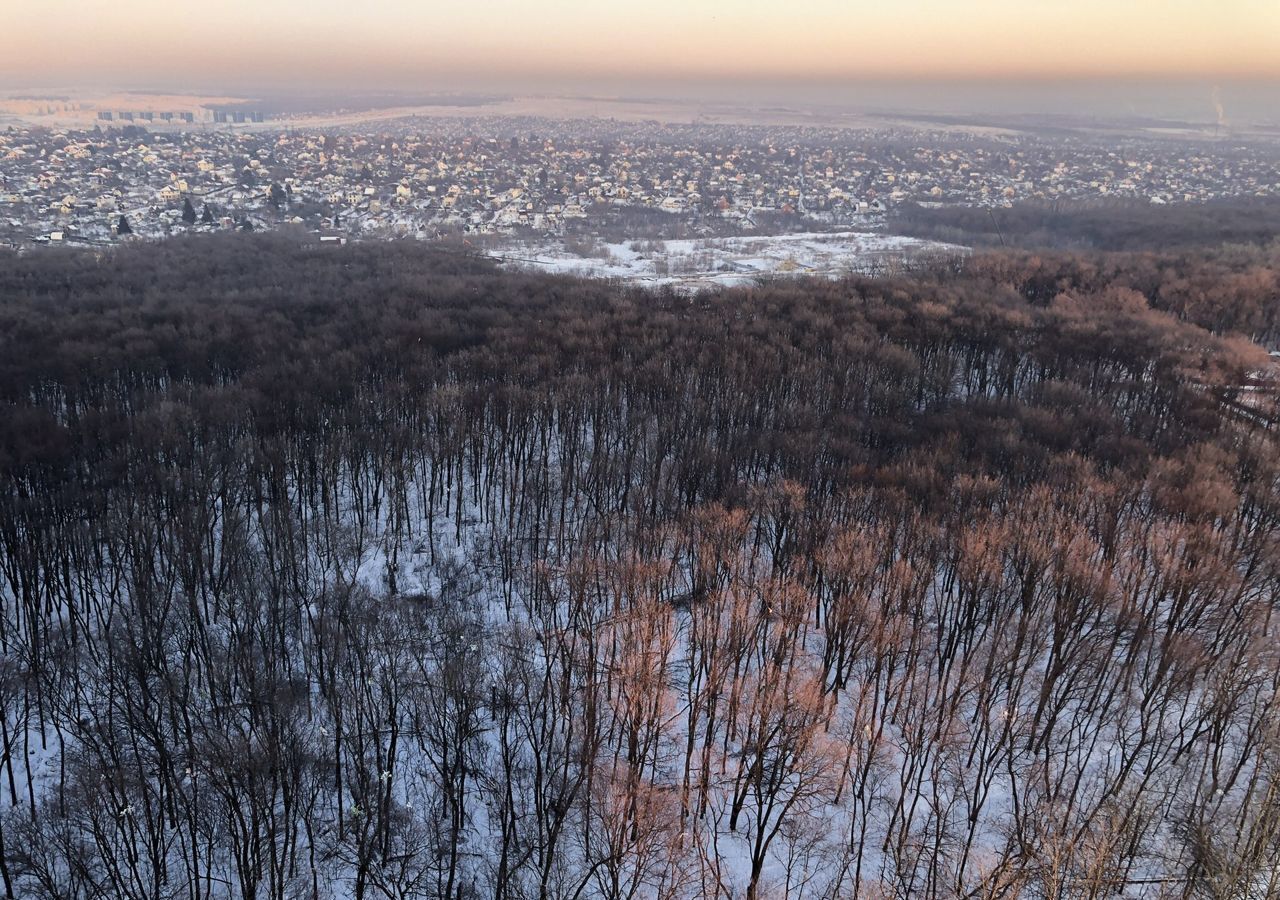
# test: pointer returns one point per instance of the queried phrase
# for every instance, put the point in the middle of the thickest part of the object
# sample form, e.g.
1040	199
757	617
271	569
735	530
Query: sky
183	44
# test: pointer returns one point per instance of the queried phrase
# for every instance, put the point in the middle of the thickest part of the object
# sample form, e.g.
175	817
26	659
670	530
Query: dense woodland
373	572
1097	224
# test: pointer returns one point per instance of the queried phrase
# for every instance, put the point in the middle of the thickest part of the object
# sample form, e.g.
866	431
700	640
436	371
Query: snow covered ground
726	261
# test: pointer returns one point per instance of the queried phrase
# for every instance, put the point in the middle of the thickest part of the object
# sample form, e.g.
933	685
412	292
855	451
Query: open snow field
726	261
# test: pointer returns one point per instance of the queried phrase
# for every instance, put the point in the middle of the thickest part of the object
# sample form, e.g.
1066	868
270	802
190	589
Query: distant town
150	175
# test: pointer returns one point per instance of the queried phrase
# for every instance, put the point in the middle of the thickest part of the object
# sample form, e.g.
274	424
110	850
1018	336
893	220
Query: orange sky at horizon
386	42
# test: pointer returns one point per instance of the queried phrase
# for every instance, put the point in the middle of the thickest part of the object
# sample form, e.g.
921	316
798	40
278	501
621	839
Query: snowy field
726	261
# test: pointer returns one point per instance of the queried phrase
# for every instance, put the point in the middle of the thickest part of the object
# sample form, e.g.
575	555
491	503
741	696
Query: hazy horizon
1190	100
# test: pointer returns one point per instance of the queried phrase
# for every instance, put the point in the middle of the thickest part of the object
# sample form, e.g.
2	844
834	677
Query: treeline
1112	225
374	572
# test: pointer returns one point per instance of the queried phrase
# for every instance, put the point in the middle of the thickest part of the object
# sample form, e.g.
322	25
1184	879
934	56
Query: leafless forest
373	572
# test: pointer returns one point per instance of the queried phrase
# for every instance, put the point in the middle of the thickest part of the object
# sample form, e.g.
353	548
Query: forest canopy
1097	224
376	571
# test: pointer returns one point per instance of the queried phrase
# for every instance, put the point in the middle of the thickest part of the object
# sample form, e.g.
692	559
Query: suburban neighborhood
544	178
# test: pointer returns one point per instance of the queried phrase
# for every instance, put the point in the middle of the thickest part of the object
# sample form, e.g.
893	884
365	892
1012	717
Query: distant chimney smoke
1221	124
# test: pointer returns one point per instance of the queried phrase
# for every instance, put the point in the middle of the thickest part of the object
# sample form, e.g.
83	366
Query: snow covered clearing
729	261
